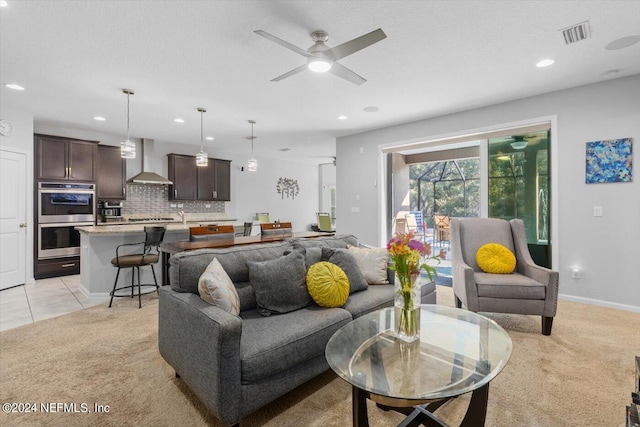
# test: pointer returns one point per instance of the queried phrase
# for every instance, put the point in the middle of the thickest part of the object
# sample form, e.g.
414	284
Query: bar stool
153	239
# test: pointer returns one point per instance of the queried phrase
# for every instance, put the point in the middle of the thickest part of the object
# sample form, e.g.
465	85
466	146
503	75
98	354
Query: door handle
23	225
175	194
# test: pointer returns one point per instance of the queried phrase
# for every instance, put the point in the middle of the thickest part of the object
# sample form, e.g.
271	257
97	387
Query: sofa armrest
202	343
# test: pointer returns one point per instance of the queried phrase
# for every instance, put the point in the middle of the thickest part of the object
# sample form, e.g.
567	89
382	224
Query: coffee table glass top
458	351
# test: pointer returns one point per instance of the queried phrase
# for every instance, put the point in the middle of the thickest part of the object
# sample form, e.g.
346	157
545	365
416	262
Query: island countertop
138	227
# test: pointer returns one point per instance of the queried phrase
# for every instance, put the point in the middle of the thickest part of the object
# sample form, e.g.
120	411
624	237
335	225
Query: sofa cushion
186	267
327	284
216	288
374	298
272	345
340	241
347	262
280	284
495	258
373	263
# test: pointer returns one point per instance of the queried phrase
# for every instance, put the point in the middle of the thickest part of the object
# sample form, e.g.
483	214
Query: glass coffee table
458	352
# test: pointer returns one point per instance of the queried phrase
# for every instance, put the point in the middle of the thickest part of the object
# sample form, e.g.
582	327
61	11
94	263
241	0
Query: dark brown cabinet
112	172
190	182
214	181
65	159
183	174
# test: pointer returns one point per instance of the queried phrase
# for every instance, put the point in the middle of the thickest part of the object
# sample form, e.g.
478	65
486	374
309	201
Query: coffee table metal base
421	414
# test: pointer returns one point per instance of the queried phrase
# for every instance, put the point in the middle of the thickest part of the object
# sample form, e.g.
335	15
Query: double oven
61	208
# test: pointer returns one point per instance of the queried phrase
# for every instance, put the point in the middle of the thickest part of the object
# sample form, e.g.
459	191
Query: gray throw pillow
280	284
348	263
311	255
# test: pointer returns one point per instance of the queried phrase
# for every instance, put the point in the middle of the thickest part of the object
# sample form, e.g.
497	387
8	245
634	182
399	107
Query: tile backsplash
144	199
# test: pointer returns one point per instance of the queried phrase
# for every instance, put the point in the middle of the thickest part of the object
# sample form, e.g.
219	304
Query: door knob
23	225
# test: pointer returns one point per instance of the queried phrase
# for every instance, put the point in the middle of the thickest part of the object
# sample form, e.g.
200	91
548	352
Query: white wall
606	248
22	139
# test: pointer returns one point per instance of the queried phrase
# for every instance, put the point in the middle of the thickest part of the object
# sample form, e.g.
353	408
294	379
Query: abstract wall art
609	161
288	187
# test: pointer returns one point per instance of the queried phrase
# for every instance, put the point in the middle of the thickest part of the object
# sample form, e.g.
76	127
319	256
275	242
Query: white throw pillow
372	263
216	288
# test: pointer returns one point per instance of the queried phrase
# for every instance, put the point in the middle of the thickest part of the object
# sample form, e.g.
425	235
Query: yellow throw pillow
327	284
495	258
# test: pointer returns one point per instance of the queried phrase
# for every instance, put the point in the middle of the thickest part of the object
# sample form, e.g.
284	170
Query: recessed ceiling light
178	120
622	43
209	138
3	3
371	109
14	86
342	117
99	118
545	63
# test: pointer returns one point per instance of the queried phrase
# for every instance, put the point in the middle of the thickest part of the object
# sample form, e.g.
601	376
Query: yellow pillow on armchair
495	258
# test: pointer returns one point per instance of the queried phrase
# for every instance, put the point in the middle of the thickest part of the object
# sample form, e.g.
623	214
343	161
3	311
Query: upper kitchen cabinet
191	182
183	174
112	172
214	181
65	159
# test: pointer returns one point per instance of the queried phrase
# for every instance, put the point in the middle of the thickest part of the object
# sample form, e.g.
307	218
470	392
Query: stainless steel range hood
146	177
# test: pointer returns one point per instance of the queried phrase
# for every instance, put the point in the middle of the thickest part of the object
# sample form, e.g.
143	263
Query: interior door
13	218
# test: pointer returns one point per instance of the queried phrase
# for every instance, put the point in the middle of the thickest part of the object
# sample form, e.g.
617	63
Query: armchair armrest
547	277
464	285
202	343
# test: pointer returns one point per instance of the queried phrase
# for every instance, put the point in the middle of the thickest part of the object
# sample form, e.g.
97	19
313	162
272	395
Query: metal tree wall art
288	187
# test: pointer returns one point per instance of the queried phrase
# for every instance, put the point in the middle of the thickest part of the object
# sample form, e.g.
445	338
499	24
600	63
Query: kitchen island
98	245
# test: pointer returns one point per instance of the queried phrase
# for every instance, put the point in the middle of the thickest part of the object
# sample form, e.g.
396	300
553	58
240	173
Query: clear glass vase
407	307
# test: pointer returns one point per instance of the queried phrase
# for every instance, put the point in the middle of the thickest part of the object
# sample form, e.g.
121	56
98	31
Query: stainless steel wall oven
61	208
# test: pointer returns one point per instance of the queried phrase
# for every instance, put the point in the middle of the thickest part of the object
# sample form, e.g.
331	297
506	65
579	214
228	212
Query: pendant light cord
128	116
201	130
252	139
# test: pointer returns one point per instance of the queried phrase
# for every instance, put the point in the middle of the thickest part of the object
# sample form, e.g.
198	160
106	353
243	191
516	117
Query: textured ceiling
74	57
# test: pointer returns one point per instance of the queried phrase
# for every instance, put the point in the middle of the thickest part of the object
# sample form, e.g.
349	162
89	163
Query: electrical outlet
172	205
181	205
597	211
208	206
576	273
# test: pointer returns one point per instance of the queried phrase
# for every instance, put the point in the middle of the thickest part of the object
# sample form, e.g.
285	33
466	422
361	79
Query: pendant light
128	148
202	157
252	163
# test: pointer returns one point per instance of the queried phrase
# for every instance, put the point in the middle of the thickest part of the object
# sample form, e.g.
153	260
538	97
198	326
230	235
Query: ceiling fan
322	58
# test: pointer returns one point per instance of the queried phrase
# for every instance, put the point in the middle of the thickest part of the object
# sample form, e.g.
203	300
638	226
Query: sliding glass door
519	185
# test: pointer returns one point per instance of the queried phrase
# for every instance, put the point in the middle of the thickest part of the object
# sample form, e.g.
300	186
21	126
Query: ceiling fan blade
290	73
359	43
281	42
345	73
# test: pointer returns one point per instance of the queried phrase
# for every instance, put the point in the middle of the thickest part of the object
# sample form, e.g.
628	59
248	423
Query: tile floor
41	300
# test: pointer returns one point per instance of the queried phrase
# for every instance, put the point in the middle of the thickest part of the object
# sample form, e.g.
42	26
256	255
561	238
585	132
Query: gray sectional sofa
237	364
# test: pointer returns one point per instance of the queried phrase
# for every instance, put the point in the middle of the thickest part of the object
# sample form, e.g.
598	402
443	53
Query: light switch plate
597	211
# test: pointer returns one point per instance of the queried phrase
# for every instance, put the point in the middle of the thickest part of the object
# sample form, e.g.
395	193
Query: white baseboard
94	295
591	301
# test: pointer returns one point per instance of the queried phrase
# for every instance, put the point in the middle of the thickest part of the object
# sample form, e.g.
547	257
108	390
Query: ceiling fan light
128	149
519	145
252	165
319	65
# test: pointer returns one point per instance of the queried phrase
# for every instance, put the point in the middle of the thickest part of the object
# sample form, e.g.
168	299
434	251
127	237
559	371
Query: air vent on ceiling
285	149
576	33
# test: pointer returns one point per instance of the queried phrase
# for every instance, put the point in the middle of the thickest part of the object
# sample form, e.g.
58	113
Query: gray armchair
530	289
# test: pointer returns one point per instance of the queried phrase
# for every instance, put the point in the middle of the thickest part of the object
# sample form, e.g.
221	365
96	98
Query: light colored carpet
582	375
